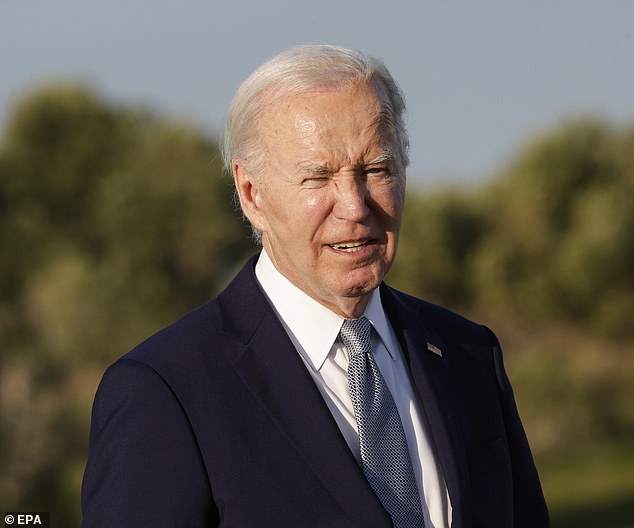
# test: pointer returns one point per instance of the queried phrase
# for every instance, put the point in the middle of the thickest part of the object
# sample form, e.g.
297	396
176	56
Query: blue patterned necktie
384	453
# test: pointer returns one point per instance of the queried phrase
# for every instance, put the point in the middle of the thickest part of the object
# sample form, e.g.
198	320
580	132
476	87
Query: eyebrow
388	155
310	167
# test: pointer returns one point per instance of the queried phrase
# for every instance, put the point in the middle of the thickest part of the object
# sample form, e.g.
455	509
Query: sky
480	78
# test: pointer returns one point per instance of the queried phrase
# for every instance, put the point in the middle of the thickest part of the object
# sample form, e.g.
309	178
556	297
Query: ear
249	193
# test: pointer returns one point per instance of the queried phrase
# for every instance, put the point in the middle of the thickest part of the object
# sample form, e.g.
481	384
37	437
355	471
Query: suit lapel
428	362
273	371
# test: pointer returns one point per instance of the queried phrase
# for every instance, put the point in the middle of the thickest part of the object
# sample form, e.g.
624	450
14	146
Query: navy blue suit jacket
215	421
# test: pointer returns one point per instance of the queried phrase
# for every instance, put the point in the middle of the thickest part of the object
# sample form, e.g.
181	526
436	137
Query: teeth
349	246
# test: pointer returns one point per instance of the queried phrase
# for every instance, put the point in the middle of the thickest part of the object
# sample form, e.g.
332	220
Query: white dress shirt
314	330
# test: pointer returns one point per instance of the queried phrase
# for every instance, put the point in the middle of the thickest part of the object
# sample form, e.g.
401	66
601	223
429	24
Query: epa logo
40	519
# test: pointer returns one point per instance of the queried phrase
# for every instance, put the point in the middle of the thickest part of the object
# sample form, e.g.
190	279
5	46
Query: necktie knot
355	334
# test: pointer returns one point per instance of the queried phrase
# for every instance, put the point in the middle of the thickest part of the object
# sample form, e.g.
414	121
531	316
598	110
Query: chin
357	282
361	288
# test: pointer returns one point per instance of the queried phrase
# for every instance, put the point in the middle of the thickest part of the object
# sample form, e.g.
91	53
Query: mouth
350	247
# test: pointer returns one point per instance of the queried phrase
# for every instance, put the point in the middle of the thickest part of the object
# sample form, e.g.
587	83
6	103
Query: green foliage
113	223
439	233
561	242
552	236
109	214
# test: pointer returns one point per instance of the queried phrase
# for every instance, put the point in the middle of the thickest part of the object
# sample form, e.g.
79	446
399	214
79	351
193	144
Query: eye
378	173
314	182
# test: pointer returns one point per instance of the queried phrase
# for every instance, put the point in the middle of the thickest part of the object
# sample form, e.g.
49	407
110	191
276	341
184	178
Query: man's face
330	197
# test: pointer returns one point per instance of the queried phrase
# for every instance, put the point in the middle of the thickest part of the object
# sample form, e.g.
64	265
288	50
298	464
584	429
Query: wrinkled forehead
303	110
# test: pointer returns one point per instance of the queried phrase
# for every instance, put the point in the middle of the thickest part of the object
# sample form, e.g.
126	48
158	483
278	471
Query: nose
351	200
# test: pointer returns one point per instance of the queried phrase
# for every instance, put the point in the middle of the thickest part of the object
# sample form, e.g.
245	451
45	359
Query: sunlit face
330	197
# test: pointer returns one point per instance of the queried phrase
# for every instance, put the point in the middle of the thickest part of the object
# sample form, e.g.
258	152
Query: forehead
342	122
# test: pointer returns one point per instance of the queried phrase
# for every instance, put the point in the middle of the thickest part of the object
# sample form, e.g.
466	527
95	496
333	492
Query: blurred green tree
113	223
551	236
439	233
560	230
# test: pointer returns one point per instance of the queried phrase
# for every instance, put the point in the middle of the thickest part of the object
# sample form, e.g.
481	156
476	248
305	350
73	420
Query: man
309	393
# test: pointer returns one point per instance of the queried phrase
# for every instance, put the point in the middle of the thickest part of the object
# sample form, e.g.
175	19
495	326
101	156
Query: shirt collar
313	327
376	315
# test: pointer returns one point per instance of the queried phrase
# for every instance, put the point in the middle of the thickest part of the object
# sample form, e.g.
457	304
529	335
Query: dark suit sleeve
528	500
144	465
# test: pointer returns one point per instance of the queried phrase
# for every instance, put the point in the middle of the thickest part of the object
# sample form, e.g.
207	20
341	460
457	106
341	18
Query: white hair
298	70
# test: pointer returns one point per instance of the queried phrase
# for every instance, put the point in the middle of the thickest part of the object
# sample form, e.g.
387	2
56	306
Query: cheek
312	203
302	216
313	208
390	203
